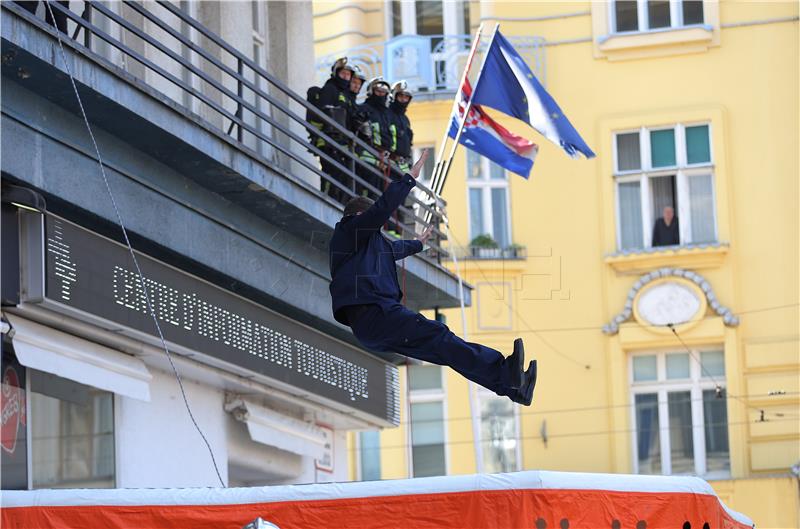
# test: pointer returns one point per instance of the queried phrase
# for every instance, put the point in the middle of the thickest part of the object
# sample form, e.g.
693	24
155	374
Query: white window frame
259	32
486	183
681	172
426	396
416	154
695	384
675	18
424	179
484	393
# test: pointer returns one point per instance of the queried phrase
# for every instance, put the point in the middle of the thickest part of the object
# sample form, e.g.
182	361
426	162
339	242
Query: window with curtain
647	433
649	15
72	434
487	188
680	418
702	208
659	168
630	214
426	414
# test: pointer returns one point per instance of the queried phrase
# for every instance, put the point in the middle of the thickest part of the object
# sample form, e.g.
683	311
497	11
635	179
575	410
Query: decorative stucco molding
728	317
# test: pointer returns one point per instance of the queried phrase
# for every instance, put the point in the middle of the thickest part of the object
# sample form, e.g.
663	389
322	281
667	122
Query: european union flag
507	84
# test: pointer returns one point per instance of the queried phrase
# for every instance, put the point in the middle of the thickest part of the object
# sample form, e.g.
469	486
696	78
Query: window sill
670	41
471	264
707	255
492	257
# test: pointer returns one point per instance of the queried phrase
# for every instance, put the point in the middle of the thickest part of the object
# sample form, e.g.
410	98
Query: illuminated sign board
87	274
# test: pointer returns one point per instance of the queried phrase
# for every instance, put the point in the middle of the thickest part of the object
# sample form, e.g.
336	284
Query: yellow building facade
688	105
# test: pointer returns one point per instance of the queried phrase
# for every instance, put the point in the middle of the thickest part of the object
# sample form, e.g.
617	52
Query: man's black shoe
516	362
524	395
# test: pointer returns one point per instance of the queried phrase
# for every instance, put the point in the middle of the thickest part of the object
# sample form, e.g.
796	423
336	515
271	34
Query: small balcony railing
160	45
514	251
431	63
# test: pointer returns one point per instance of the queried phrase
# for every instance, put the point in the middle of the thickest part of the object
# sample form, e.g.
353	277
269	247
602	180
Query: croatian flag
488	138
508	85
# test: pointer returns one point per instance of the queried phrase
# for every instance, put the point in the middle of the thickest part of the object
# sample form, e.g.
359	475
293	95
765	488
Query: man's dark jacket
362	260
664	235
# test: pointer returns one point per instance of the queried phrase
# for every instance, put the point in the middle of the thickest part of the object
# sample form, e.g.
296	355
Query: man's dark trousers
394	328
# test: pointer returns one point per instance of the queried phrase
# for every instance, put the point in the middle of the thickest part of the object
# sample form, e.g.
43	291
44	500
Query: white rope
472	387
130	250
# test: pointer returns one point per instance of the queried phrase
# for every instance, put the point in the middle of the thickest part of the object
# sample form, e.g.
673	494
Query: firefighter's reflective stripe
376	133
393	131
369	158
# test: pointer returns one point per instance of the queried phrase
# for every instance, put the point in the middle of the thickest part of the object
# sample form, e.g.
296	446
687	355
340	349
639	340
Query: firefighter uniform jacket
333	97
377	119
400	131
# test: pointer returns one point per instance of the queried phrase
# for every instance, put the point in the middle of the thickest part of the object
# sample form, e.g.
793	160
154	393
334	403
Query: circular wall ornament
669	300
669	304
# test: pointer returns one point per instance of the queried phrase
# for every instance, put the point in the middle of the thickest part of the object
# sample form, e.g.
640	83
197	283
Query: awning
46	349
281	431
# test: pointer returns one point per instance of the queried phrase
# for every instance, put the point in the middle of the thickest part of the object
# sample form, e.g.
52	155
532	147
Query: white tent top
308	494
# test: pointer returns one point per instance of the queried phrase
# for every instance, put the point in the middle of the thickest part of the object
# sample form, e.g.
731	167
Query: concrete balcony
206	152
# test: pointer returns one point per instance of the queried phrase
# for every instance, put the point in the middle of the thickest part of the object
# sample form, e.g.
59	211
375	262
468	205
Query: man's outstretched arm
403	248
378	214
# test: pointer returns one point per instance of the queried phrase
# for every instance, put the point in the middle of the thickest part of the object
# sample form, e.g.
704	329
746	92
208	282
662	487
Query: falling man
367	297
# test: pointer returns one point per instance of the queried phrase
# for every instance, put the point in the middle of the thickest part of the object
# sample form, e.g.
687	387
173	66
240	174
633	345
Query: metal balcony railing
173	53
513	251
429	63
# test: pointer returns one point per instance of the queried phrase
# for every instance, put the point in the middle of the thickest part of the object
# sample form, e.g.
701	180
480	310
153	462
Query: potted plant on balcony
514	251
484	246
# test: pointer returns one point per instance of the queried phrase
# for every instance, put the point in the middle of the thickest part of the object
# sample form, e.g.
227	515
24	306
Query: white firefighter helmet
375	82
401	87
341	63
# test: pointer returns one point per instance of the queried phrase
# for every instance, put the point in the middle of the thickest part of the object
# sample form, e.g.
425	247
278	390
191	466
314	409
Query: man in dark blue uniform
367	297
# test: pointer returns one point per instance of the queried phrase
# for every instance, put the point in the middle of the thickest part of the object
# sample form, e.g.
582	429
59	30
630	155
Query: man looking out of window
665	231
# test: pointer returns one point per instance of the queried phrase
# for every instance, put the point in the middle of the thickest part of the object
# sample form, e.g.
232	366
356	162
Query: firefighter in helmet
374	131
357	82
334	99
402	137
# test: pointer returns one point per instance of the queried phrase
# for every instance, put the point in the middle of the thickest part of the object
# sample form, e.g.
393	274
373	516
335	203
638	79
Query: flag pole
446	167
437	167
471	387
